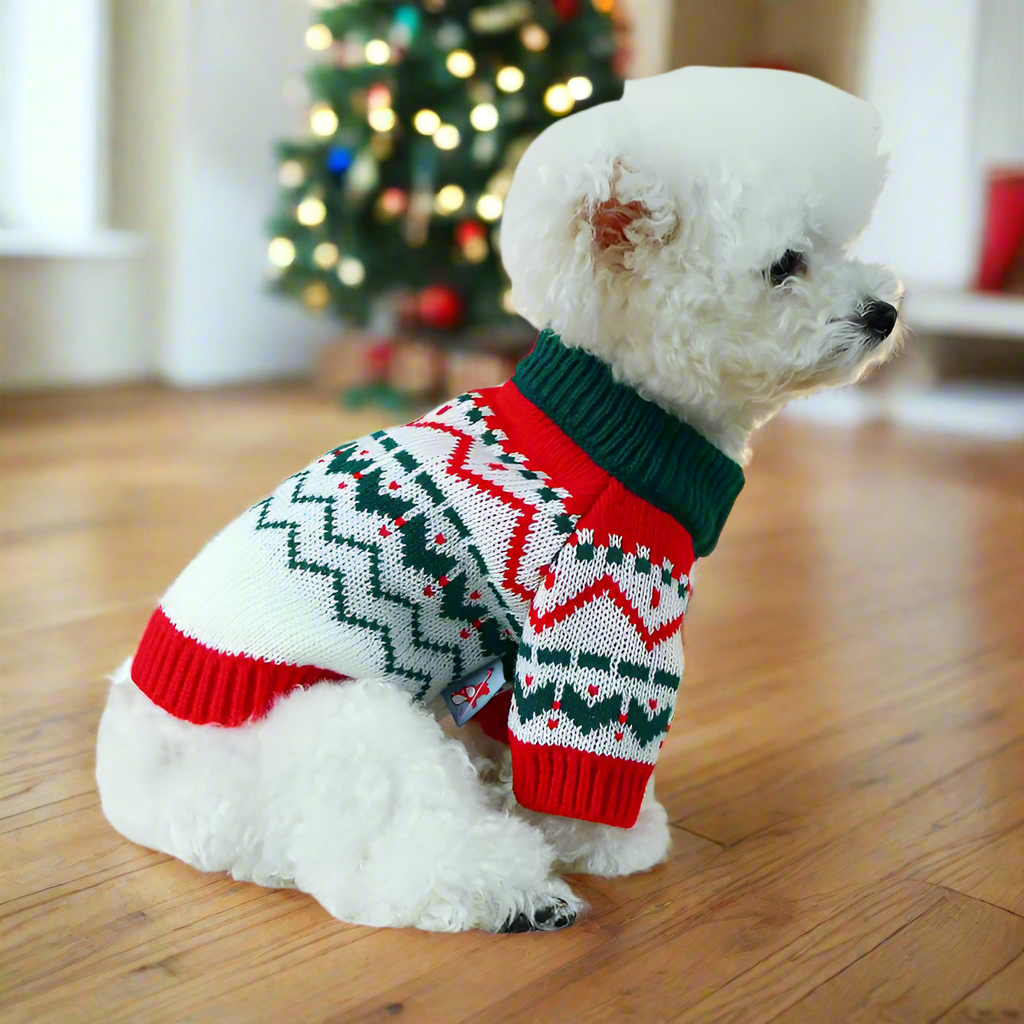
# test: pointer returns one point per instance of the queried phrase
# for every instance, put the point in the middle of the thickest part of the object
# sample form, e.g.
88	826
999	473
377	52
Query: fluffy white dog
684	247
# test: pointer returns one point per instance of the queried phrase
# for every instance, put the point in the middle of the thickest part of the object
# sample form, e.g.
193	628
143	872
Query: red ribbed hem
207	687
577	784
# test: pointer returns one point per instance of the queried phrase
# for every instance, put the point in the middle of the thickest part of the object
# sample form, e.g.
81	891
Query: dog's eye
792	263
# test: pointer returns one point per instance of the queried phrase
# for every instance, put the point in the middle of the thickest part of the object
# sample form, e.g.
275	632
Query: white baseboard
975	410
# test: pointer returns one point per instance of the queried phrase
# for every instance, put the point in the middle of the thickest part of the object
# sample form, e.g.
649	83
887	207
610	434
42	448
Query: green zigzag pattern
416	554
590	717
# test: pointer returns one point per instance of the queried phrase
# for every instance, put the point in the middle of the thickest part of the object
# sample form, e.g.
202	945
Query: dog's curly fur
660	265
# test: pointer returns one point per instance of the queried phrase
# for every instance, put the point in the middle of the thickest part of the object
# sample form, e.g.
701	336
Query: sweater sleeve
599	664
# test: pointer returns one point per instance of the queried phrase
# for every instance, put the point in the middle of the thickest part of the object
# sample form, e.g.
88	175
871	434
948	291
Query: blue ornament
339	159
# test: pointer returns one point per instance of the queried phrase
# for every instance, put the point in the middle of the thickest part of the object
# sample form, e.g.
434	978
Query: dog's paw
549	918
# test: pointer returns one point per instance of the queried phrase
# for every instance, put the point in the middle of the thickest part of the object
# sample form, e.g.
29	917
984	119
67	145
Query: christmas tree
419	114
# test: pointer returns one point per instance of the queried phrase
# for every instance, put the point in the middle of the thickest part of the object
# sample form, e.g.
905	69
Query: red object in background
469	230
440	307
566	9
1004	228
378	358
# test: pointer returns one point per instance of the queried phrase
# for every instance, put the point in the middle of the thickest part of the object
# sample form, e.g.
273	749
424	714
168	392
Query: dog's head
693	235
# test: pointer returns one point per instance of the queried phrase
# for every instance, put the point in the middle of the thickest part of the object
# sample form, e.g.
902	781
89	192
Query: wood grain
845	771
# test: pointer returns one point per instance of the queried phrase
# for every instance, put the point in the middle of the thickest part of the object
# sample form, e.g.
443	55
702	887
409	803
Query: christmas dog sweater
551	522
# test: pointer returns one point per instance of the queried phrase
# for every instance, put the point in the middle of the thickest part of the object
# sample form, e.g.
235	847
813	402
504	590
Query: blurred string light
484	117
382	120
318	37
378	96
316	295
377	51
351	272
460	63
510	79
506	301
446	137
489	206
558	99
291	174
325	255
392	201
281	252
604	6
322	119
449	199
426	122
534	37
311	211
475	249
580	87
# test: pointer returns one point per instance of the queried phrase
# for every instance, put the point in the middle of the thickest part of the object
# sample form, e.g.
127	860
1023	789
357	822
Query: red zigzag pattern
457	466
606	586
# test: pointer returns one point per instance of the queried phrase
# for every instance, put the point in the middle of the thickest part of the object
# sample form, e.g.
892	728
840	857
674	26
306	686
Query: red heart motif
622	719
527	680
385	532
592	690
475	596
358	476
393	486
653	704
443	581
556	704
477	623
400	521
365	451
342	486
552	723
428	591
618	735
439	539
464	633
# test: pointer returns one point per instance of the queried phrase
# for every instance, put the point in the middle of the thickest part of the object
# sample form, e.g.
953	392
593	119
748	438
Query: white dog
683	249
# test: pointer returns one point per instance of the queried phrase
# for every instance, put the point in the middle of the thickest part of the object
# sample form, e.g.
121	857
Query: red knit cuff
577	784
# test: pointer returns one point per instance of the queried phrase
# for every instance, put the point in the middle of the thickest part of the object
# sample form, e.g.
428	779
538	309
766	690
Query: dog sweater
551	521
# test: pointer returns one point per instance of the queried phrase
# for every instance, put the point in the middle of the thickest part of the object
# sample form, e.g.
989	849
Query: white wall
919	71
222	325
1000	131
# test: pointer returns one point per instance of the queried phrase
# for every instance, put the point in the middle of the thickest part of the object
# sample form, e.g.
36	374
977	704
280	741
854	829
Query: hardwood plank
999	1001
880	757
783	978
989	871
922	970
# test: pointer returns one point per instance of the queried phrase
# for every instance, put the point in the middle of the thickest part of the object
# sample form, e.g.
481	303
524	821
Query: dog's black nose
879	318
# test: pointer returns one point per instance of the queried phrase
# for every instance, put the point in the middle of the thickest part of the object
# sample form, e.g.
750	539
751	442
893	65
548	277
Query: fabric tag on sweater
466	696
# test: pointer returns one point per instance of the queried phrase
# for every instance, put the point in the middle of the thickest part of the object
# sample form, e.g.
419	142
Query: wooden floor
845	774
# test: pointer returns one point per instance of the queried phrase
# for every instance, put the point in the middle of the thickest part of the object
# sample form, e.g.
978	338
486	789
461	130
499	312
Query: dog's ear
629	212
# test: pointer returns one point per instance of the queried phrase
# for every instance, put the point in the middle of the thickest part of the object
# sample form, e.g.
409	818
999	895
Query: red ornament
566	9
469	230
440	307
